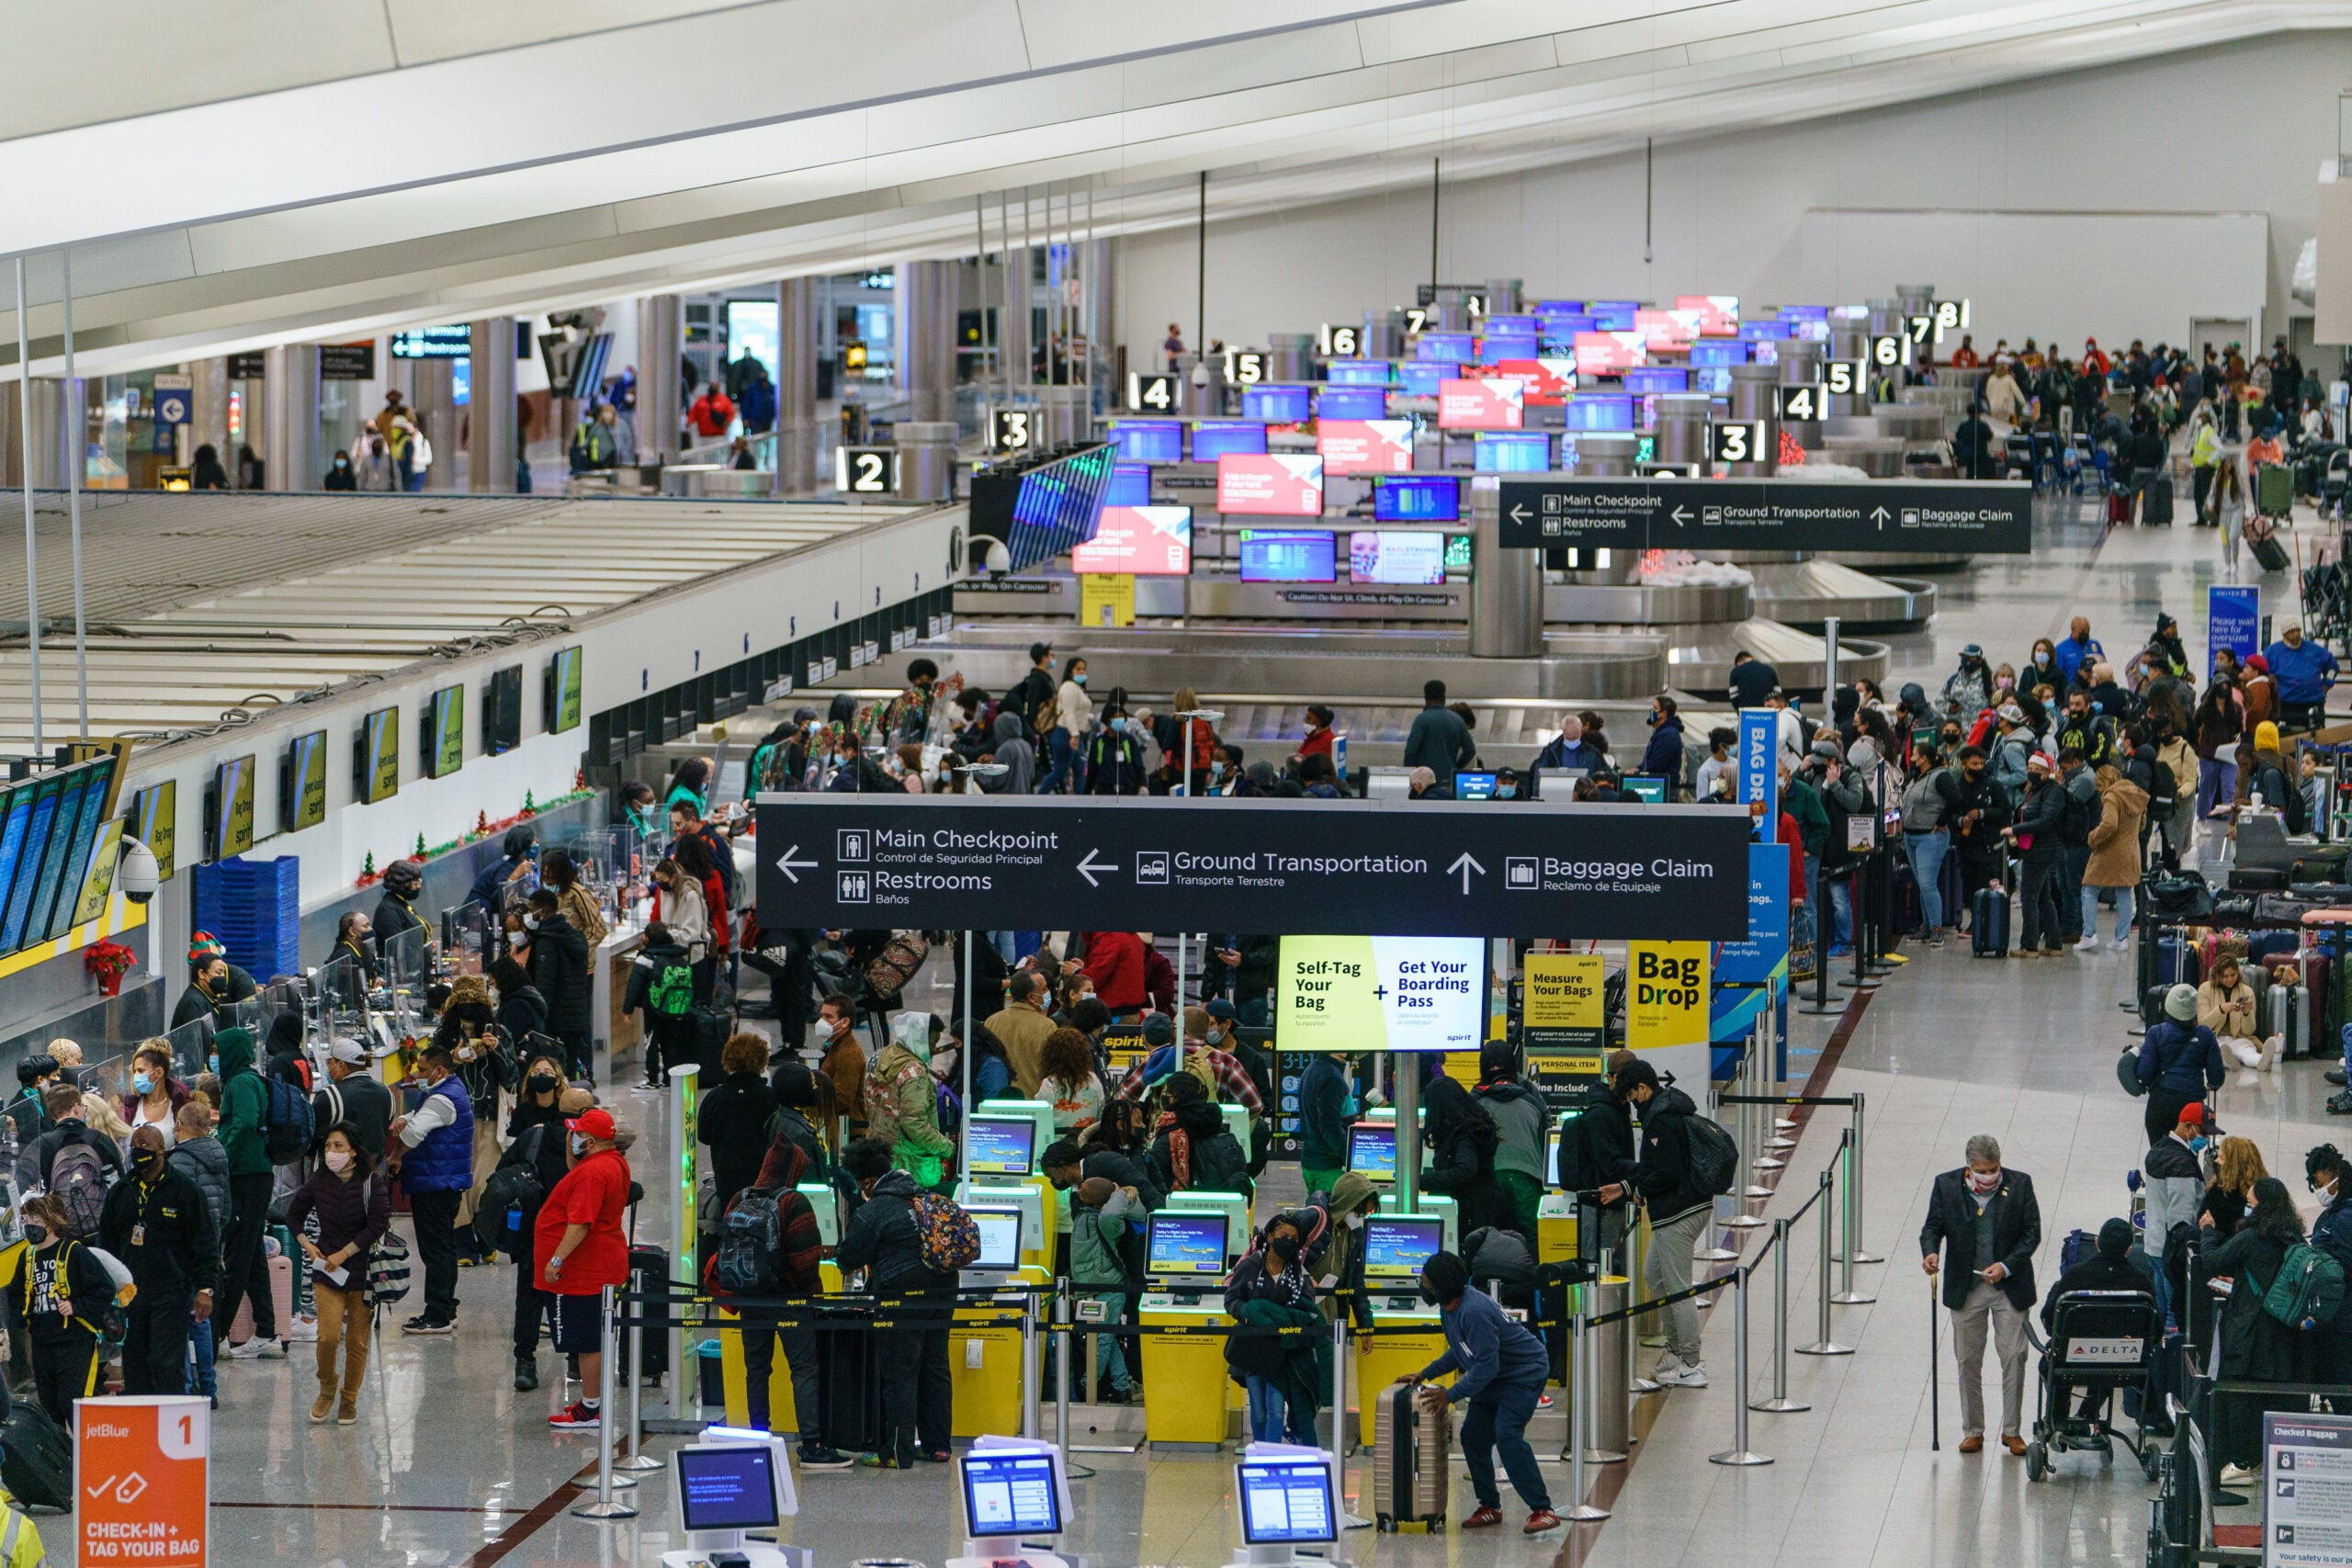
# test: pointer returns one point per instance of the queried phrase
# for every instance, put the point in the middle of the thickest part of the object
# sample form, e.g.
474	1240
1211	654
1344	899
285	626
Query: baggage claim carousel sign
1335	868
1986	516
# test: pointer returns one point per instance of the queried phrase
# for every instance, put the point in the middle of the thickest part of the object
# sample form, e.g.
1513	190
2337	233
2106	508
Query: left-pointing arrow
1090	865
787	864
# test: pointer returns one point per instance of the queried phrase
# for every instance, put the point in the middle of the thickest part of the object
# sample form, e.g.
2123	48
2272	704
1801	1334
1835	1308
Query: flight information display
1288	554
1211	442
1276	405
1411	560
1149	440
1434	498
1352	402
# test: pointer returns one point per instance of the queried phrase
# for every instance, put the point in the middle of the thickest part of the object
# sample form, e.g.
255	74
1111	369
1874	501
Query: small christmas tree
367	867
419	846
528	806
481	821
579	780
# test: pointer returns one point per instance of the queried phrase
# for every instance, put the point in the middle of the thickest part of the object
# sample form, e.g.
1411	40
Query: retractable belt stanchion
1824	1346
1755	1072
1067	1348
606	1507
1849	1158
1855	1249
1739	1453
1029	1421
1780	1404
1580	1410
1745	1127
637	1459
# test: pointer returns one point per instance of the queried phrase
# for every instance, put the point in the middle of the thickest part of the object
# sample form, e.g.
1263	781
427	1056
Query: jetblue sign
1288	867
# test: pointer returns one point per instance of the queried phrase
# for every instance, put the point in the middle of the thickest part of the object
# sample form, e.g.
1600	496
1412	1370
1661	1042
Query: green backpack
672	992
2307	1291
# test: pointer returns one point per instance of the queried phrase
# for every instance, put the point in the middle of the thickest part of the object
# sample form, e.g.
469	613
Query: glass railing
107	1026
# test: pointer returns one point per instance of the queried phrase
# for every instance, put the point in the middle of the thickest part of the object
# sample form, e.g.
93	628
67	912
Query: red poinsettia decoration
108	962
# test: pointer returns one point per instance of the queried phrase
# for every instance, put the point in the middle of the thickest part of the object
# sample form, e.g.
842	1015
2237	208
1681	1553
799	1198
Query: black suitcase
709	1027
849	1390
2155	502
1988	935
2152	1004
649	1269
36	1459
2268	553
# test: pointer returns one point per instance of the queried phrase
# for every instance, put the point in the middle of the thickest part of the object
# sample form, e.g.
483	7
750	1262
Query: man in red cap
2173	1180
583	1250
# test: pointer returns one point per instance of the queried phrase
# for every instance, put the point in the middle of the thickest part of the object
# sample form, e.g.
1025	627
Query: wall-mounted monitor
1211	442
1130	485
302	783
154	820
1421	378
228	809
1381	992
441	749
1485	402
1270	484
1277	403
375	757
1148	541
1288	554
1149	440
66	846
1357	372
560	691
1365	446
1520	452
1417	497
1446	348
1494	347
1600	410
24	838
1397	557
1652	379
1352	402
502	711
1723	352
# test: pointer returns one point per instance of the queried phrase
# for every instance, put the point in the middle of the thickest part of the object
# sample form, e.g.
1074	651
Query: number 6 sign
143	1470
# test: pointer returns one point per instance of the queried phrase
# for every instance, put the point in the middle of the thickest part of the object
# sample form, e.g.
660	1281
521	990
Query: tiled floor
449	1467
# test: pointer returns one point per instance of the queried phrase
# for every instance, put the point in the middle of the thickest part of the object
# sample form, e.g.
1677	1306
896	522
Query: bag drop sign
1666	994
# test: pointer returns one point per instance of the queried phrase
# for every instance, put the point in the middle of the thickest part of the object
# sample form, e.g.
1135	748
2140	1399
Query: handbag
388	1271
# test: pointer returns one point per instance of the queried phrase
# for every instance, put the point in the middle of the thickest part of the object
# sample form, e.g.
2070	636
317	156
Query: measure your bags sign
1380	993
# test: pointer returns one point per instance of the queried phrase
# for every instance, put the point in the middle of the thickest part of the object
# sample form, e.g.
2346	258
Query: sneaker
2089	944
1539	1521
880	1461
822	1458
1115	1396
348	1412
577	1417
2340	1104
1695	1375
2237	1475
421	1323
1935	939
256	1347
2335	1076
1484	1518
305	1331
933	1456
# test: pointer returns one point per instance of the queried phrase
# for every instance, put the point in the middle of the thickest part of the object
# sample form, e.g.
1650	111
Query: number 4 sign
143	1470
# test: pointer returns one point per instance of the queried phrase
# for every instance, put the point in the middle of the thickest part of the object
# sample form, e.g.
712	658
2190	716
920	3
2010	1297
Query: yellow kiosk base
1179	1372
1382	1358
783	1413
984	1364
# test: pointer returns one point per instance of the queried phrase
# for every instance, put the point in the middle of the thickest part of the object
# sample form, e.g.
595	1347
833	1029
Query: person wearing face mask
63	1287
158	1223
1500	1369
156	1095
487	1066
197	1154
1987	1223
884	1239
1071	714
354	1097
2112	1266
2325	1172
339	474
1112	764
1269	1288
902	1101
396	914
432	1152
556	958
215	986
579	1248
537	1142
2173	1180
355	1209
1680	1207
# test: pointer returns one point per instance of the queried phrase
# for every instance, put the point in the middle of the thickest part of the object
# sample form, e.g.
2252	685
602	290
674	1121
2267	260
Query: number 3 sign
143	1470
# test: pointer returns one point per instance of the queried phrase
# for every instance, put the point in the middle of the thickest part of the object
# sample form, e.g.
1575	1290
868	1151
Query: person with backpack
432	1152
1190	1146
902	1101
769	1245
2173	1183
896	1239
2329	1176
1680	1198
735	1115
158	1223
1520	1118
536	1157
71	1160
2179	1062
1988	1223
2269	779
661	990
1462	1140
64	1287
578	1248
197	1154
354	1096
2258	1344
355	1209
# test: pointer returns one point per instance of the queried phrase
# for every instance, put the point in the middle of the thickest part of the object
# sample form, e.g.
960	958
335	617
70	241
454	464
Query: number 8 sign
143	1474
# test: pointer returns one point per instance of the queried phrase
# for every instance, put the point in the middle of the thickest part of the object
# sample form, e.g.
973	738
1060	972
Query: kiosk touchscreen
1016	1504
1285	1503
1000	1258
1003	1145
1232	1205
725	1489
1185	1251
1395	1248
1372	1151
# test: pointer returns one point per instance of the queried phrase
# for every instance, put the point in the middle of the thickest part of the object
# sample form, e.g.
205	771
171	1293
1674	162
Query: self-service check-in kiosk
1016	1504
726	1488
984	1359
1395	1248
1288	1498
1186	1254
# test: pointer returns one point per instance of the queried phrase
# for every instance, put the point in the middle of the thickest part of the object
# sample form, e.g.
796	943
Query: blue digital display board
1436	498
1357	372
1518	452
1276	405
1718	351
1445	347
1352	403
1421	378
1651	379
31	851
1211	442
1288	554
1130	485
1149	440
1600	410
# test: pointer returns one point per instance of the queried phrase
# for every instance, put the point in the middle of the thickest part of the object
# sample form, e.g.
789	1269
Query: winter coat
2174	1181
1519	1117
2179	1059
2229	1014
2115	842
1096	1261
206	1162
1663	756
1192	1149
1439	742
559	970
353	1211
1322	1114
244	1105
902	1102
1020	759
883	1239
1663	1174
733	1119
2254	1345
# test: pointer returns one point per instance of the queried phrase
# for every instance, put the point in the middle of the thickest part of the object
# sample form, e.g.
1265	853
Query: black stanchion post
1824	928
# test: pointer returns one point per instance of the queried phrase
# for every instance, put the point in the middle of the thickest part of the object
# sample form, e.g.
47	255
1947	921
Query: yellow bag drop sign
1666	994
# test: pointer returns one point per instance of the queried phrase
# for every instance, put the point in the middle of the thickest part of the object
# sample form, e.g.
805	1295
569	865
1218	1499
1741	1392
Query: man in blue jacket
2078	649
1501	1369
2304	671
2179	1060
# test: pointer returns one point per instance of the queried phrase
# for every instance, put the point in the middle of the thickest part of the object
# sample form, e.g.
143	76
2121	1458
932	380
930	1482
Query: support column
660	408
1012	319
799	443
1506	588
52	447
927	340
209	410
433	403
290	423
490	448
1099	315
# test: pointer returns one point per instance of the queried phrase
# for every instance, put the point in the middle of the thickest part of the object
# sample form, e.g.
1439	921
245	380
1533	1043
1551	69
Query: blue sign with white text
1759	773
2233	620
1764	956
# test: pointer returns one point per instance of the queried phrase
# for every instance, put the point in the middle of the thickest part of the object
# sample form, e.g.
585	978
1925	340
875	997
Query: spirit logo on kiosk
1365	446
1274	484
1498	402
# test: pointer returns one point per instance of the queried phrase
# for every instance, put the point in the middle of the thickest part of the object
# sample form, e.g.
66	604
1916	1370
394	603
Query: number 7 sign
143	1473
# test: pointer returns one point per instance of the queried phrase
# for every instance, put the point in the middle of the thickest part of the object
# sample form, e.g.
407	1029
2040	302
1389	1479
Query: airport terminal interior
1403	782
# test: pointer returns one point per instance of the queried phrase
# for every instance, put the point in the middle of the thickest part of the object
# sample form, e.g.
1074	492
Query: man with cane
1989	1225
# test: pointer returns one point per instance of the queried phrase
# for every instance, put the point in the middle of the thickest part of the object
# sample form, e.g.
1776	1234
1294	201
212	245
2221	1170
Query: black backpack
1579	1164
1715	1158
287	1132
750	1244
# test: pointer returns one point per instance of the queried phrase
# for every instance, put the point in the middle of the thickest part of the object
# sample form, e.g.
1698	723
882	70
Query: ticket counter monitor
1395	1248
1437	1205
1372	1151
1185	1253
1016	1502
1232	1205
1287	1501
1003	1147
1037	1111
726	1488
984	1368
827	1204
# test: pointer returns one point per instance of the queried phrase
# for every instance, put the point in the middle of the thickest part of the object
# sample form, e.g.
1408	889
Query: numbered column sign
1009	430
1417	318
1802	403
1887	352
143	1473
1244	366
1740	442
1341	343
1845	378
1921	328
866	470
1154	393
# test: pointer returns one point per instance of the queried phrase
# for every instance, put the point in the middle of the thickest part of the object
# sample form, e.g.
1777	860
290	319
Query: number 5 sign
143	1469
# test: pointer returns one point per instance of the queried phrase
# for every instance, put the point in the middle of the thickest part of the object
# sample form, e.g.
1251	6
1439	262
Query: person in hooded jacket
884	1239
1191	1146
244	1117
2172	1179
2179	1062
514	865
1680	1207
1520	1118
2255	1346
2113	858
2329	1176
1017	757
396	911
557	959
1462	1139
1968	691
902	1101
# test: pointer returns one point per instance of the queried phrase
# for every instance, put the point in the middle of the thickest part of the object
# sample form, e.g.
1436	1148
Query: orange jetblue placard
143	1469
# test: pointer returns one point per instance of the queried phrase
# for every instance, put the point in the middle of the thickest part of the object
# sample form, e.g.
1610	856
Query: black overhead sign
1987	516
1297	867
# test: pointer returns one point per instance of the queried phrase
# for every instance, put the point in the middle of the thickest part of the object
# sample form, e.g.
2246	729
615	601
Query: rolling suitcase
1411	1469
2155	502
281	1301
36	1456
649	1269
849	1390
1988	935
2262	539
2285	1012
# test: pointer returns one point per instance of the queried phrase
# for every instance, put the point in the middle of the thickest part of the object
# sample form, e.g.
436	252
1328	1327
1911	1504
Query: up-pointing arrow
1878	517
787	864
1465	865
1090	865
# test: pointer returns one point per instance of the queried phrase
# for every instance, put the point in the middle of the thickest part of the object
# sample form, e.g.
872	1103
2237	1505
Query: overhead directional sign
1987	516
1294	867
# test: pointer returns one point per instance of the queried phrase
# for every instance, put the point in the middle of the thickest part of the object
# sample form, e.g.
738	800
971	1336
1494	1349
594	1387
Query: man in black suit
1989	1227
